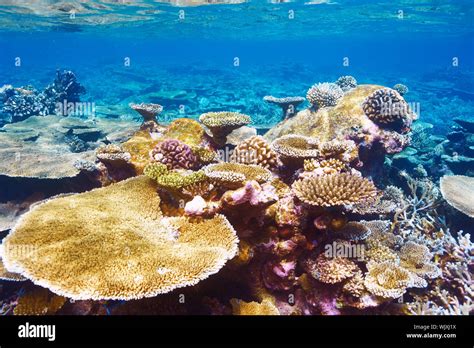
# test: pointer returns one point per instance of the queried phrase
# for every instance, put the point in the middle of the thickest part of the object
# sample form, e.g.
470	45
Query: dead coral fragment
387	279
235	174
266	307
255	150
324	94
458	191
294	149
331	270
334	190
114	243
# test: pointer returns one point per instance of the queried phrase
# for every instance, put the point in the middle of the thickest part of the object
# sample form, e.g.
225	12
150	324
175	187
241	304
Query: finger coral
334	190
458	191
255	150
387	108
294	149
331	270
387	279
221	124
174	154
324	94
235	174
114	243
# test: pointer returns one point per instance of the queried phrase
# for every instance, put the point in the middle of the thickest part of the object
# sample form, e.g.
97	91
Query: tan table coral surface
114	243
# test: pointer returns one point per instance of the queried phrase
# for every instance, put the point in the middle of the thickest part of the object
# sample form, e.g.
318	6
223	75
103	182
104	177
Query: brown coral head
334	190
387	108
294	149
255	150
148	111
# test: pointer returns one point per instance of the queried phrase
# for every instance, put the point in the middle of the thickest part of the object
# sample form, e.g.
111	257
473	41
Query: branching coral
334	190
324	94
174	154
223	123
417	259
255	150
387	108
294	149
458	191
113	243
232	175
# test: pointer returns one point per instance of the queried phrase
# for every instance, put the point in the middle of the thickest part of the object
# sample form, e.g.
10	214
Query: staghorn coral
294	149
288	105
387	108
334	190
221	124
39	301
346	82
233	175
387	279
255	150
114	243
458	191
330	270
174	154
266	307
324	94
417	259
147	111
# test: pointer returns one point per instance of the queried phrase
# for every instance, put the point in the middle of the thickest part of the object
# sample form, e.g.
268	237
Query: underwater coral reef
320	215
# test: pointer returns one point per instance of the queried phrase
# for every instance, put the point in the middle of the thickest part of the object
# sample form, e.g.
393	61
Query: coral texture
255	150
147	111
294	149
174	154
346	82
324	94
458	191
331	270
235	174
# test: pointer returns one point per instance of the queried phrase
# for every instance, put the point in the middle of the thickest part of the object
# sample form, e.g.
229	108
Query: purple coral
174	154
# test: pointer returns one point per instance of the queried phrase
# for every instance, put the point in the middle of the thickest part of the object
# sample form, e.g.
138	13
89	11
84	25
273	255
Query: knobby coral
255	150
334	189
114	243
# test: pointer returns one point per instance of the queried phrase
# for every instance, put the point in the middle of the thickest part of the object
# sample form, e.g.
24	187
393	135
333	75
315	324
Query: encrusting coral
114	243
255	150
324	94
334	189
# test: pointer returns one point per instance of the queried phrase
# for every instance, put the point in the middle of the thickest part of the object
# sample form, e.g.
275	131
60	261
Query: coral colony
305	219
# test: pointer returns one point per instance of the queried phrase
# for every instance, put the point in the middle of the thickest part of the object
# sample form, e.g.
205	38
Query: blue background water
190	62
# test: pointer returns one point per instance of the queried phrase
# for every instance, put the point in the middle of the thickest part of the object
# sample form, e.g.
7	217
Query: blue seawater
194	59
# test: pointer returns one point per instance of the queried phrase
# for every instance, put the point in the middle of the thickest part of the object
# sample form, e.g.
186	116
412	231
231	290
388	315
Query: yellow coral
139	147
255	150
334	189
174	181
387	279
186	130
294	149
343	150
114	243
39	301
233	175
266	307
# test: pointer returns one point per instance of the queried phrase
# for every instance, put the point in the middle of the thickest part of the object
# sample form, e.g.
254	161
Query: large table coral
114	243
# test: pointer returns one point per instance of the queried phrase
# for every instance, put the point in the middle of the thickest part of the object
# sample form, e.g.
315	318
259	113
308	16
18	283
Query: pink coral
251	193
174	154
